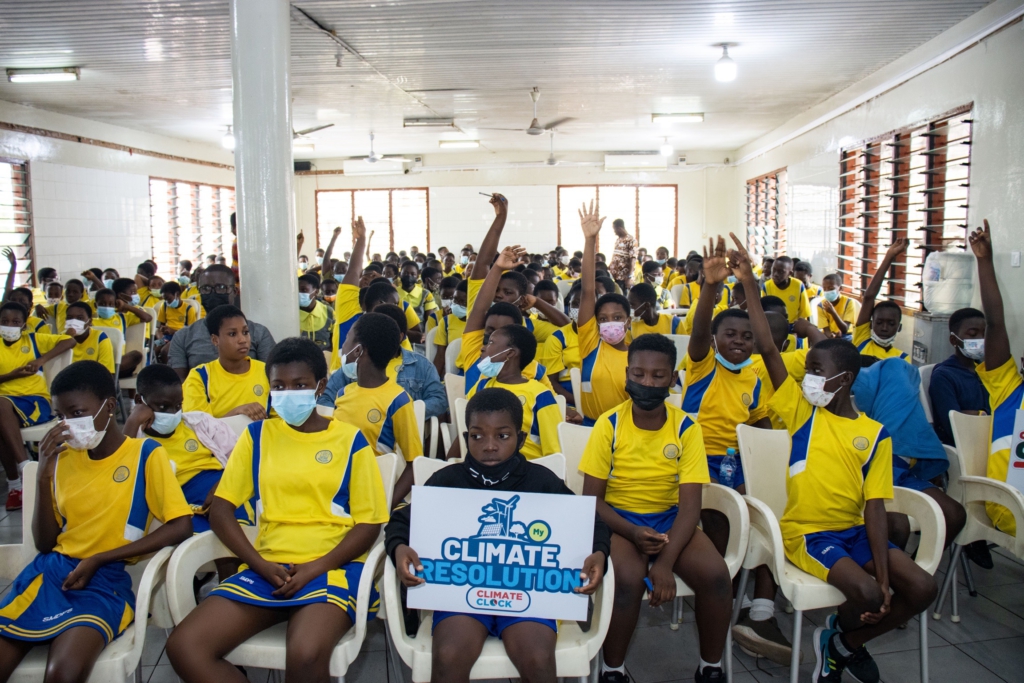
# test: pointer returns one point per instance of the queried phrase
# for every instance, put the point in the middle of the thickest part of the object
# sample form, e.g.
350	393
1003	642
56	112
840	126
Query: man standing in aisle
623	255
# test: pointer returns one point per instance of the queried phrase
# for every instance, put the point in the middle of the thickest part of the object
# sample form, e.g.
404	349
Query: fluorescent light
459	144
303	145
429	122
70	73
725	68
694	117
228	141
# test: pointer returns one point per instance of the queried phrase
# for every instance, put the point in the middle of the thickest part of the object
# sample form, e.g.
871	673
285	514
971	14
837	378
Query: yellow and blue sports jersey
449	329
689	294
1006	396
385	416
541	328
662	294
15	355
687	326
119	320
97	347
418	297
317	325
835	465
186	453
867	346
472	289
310	488
795	362
58	312
106	504
813	291
666	324
411	321
794	295
644	469
212	389
346	312
147	298
560	353
541	416
602	373
559	272
433	319
469	356
34	324
175	318
720	399
847	311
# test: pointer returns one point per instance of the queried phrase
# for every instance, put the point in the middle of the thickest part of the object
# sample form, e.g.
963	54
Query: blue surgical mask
105	312
732	366
488	367
183	280
175	303
165	423
731	279
305	299
660	261
136	300
294	407
459	311
108	283
831	295
464	260
349	366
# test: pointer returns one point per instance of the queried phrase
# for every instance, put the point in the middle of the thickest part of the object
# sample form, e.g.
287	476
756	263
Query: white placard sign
501	552
1015	469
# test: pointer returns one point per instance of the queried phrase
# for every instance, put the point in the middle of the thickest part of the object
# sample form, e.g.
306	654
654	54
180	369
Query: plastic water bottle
727	470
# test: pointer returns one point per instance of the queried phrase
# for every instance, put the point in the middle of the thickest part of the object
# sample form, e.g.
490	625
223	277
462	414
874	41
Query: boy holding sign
494	419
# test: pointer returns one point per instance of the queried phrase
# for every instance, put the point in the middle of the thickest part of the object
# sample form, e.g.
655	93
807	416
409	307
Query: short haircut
375	267
672	262
171	288
650	267
450	282
545	286
505	309
521	283
463	286
843	353
47	272
15	306
882	305
769	302
607	283
311	280
619	223
725	315
185	263
523	340
429	272
74	281
85	375
378	291
610	298
495	400
121	285
158	376
658	343
219	268
577	286
83	306
298	350
379	337
784	259
146	268
103	292
215	318
575	263
535	266
396	314
803	267
23	291
959	317
328	281
645	293
737	288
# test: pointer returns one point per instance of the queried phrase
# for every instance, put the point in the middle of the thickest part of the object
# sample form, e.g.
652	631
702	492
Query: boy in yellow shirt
788	288
643	299
452	324
91	344
561	351
803	272
121	310
837	313
878	324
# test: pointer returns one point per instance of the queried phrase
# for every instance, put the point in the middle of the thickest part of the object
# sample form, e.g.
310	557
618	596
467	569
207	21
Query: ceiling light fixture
228	141
71	73
667	149
725	68
459	144
429	122
695	117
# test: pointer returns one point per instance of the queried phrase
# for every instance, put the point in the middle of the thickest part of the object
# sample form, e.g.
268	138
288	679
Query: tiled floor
987	646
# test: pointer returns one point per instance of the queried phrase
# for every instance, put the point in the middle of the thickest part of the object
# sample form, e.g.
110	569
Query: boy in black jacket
494	418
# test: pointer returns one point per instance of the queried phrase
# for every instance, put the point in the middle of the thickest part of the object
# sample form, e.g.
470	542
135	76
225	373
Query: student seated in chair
91	344
878	324
322	503
452	324
839	476
112	311
91	518
494	419
645	463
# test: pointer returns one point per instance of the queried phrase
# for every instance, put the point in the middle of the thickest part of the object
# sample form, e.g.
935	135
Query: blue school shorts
659	521
901	476
31	410
715	463
37	608
196	490
337	587
494	624
817	553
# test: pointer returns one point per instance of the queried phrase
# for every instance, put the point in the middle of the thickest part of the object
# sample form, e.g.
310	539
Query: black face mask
408	281
645	397
491	475
211	301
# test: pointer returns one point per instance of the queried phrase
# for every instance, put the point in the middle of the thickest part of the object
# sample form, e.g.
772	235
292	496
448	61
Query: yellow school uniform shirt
795	362
34	324
835	465
689	294
412	319
385	416
416	298
212	389
662	294
847	311
187	454
469	356
433	319
867	346
176	318
644	469
541	328
813	291
559	273
602	372
687	326
58	312
560	353
119	320
449	329
97	347
721	399
106	504
311	489
794	295
666	324
346	312
147	298
541	416
1005	397
27	349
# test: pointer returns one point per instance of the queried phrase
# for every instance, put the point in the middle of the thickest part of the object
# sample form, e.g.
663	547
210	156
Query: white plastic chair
451	354
674	293
573	439
814	303
431	349
238	423
926	380
121	659
419	408
576	380
563	288
135	340
51	367
764	454
682	342
971	433
455	388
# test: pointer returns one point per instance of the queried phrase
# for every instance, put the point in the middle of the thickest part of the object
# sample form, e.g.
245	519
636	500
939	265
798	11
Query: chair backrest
455	387
573	439
388	465
419	409
562	404
451	354
674	293
814	310
682	342
135	338
55	365
116	343
424	468
926	380
765	457
972	433
563	288
326	411
676	400
576	379
14	559
460	422
554	462
954	489
238	423
431	350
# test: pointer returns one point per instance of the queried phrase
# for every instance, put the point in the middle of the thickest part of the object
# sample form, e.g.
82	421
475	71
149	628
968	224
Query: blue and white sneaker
861	666
828	665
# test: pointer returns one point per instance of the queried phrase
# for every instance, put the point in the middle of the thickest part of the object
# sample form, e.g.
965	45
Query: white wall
456	212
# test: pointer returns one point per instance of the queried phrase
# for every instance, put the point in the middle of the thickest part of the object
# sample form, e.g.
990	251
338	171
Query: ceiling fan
551	160
305	132
535	128
374	157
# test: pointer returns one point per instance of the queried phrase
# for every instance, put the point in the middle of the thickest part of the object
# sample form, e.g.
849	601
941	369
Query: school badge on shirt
324	457
258	390
121	474
191	445
373	416
860	443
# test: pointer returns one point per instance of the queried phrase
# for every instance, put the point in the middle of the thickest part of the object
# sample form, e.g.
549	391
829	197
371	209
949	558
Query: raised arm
867	304
507	260
591	226
490	244
359	245
330	247
997	341
743	269
298	243
9	285
716	270
803	328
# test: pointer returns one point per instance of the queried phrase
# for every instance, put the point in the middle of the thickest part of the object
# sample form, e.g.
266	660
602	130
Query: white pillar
260	55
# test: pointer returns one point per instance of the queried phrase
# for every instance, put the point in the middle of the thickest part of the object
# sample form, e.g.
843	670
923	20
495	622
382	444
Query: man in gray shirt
192	346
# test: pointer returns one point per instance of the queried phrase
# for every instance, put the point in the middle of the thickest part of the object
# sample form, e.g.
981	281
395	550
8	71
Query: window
910	183
650	213
189	221
16	221
766	215
398	218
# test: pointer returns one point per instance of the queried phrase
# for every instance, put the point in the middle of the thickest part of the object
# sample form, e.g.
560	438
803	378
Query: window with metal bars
189	221
16	221
766	215
650	213
399	218
912	183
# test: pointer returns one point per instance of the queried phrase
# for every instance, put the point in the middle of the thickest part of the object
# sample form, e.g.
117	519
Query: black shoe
861	667
613	677
979	554
710	674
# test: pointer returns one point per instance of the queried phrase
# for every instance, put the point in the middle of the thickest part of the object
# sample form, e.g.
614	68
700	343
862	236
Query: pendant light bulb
228	141
725	68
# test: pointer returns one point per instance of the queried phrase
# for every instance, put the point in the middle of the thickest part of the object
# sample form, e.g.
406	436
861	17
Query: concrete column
260	56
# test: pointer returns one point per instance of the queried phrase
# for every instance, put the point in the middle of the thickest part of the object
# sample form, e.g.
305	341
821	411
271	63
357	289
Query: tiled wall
87	217
459	215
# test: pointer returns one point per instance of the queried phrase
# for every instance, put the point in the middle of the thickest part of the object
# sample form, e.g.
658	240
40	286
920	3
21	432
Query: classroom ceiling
165	66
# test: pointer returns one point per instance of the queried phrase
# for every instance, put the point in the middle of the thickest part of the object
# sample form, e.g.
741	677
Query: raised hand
9	255
337	231
981	241
500	204
716	267
358	229
509	257
589	220
897	247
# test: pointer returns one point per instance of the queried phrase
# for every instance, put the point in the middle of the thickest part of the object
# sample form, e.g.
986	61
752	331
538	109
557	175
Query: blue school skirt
196	490
37	609
31	410
338	587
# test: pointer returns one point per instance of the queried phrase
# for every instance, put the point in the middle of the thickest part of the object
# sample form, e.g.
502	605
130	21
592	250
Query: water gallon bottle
727	471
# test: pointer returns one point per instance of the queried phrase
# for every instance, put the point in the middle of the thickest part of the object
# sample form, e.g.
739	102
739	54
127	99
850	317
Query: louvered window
399	218
650	213
766	215
189	221
16	221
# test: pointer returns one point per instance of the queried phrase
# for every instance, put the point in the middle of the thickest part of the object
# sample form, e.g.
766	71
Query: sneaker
613	677
710	674
979	554
828	665
762	639
14	499
861	667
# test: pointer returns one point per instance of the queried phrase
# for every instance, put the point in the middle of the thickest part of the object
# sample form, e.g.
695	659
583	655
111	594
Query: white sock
21	467
746	603
715	665
762	609
604	667
14	484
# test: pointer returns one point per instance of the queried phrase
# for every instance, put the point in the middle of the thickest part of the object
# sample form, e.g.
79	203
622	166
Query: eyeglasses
215	289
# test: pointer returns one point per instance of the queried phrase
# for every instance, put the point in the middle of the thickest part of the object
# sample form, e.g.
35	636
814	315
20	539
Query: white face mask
10	334
75	327
51	301
574	315
973	348
564	260
83	433
882	341
813	387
